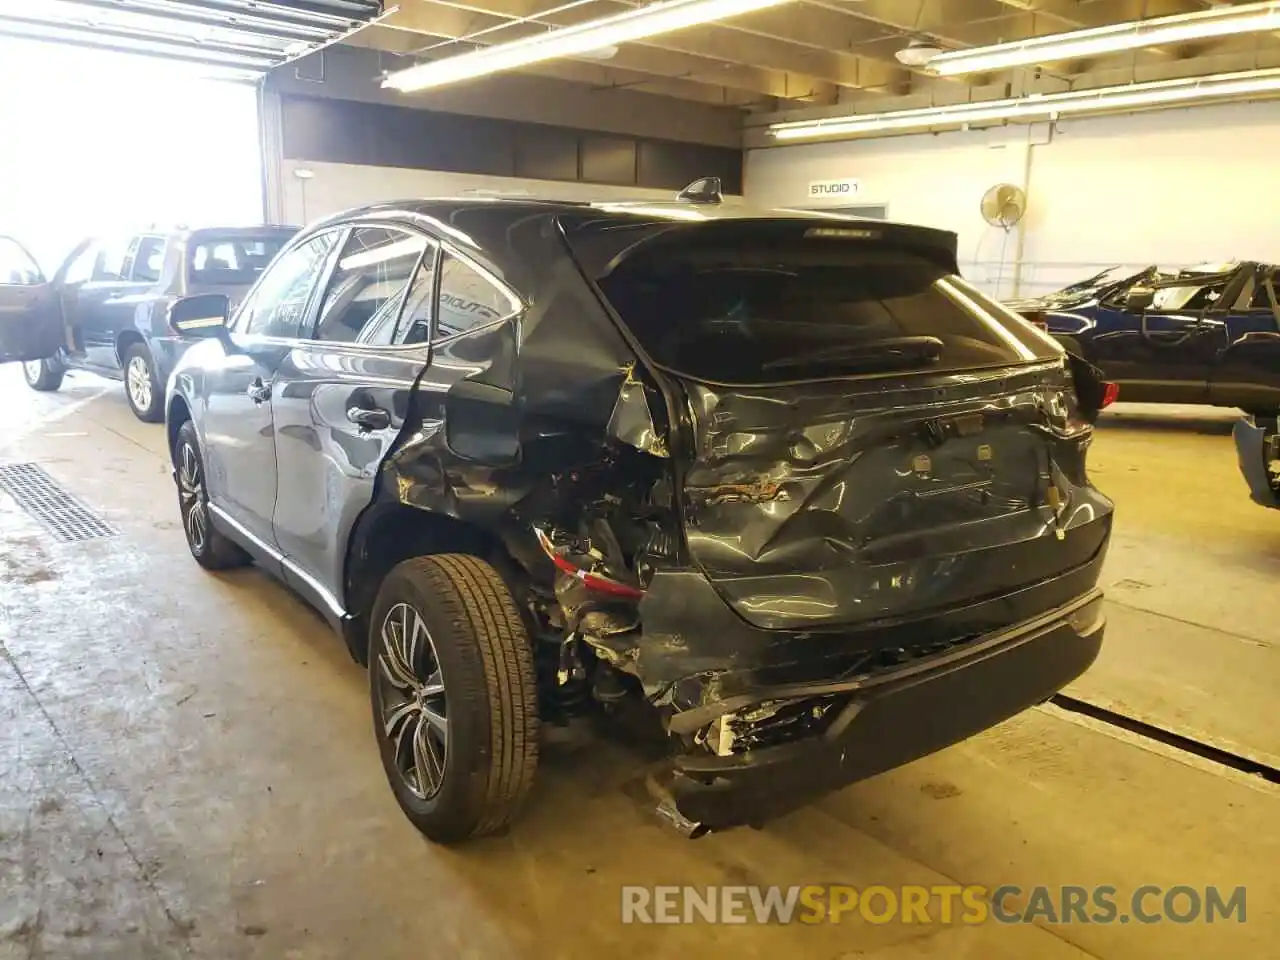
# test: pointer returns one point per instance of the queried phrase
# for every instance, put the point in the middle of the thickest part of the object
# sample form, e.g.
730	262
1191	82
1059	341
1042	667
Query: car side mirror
200	317
1139	299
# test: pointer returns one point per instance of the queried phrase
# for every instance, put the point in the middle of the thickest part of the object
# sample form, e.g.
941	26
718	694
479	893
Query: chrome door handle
258	391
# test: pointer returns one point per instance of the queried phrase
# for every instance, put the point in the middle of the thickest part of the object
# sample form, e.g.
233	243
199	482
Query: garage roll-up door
245	37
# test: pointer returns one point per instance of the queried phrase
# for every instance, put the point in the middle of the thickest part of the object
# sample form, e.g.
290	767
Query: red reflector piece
1110	394
591	581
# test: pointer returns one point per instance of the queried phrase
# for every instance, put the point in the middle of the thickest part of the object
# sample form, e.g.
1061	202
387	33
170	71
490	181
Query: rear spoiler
602	242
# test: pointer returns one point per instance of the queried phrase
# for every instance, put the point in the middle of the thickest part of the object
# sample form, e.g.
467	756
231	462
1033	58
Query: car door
341	396
118	307
1247	373
238	431
1165	353
30	314
104	303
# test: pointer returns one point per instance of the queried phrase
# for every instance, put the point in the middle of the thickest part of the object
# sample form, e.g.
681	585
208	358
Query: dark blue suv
1185	336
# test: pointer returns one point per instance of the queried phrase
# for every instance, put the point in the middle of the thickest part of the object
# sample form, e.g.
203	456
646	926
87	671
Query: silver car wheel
138	383
32	369
195	520
414	712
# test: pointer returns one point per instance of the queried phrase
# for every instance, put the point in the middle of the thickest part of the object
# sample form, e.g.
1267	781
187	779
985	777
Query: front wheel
455	706
211	549
43	375
146	397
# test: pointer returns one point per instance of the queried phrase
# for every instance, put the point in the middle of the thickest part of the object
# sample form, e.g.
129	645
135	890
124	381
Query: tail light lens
1110	394
1037	319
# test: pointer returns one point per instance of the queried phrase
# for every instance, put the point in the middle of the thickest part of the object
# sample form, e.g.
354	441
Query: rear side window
148	260
368	286
234	260
468	299
802	310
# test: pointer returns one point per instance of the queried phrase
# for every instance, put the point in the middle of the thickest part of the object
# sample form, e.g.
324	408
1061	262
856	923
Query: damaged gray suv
784	484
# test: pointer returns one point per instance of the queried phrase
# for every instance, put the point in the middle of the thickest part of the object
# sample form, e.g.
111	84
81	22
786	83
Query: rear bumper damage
1255	449
842	731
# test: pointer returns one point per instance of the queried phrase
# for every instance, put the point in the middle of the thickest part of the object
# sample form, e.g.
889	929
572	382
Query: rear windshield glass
232	260
759	314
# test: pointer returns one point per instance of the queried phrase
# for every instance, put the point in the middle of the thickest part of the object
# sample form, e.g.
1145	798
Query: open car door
30	310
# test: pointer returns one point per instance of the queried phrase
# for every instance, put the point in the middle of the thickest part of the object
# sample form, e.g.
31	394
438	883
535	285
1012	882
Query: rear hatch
230	260
868	436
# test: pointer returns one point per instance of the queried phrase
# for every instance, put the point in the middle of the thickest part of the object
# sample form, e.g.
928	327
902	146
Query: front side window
109	267
1191	296
468	299
16	266
148	260
80	270
278	304
368	286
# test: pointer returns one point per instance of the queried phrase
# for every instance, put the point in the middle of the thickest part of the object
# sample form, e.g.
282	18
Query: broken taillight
592	581
1110	394
1037	319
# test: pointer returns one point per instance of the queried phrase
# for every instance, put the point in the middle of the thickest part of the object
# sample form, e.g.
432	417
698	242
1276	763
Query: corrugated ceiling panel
236	36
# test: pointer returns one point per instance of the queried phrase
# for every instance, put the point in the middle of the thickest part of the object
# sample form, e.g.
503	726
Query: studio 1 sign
832	189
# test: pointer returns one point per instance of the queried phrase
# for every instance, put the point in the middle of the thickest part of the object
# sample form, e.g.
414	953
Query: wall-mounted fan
1003	205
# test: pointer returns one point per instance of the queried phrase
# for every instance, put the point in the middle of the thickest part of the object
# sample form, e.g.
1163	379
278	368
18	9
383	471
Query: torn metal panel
813	505
632	420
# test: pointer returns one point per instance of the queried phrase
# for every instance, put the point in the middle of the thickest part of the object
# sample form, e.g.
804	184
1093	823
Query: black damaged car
787	485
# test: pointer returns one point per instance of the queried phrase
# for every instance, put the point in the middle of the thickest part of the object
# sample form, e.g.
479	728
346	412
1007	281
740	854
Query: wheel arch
124	340
177	412
389	532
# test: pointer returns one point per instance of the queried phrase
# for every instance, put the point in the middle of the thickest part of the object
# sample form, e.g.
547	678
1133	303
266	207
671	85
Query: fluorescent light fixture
1039	107
663	17
1202	25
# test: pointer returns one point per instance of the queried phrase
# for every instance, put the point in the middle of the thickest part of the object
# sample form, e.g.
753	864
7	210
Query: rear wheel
454	701
146	397
43	375
211	549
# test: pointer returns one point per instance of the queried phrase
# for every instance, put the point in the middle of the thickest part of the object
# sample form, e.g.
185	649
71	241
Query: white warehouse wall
1175	187
339	186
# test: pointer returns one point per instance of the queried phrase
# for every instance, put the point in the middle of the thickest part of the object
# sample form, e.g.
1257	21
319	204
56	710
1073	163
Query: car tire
210	547
455	708
43	375
141	388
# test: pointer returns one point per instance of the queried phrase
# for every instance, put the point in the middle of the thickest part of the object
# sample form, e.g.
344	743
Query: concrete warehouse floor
188	766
